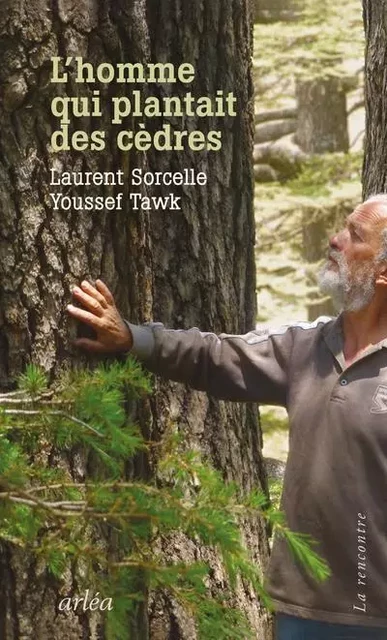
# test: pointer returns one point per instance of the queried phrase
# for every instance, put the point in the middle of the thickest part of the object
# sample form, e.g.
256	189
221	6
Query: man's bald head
373	212
378	202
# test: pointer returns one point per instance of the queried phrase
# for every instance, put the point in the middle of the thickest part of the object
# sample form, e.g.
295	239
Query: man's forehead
371	212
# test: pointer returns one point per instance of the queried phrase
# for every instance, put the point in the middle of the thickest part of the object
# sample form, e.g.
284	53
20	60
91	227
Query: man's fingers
88	301
94	293
84	316
101	286
90	345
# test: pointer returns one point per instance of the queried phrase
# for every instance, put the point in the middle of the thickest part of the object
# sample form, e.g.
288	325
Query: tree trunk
375	87
273	130
184	268
275	114
322	115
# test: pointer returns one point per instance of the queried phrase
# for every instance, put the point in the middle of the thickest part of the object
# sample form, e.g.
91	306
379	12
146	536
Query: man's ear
381	278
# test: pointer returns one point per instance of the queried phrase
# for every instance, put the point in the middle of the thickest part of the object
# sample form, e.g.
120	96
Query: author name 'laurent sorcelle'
61	201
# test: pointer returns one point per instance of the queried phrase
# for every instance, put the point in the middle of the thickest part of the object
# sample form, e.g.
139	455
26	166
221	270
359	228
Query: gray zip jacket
335	485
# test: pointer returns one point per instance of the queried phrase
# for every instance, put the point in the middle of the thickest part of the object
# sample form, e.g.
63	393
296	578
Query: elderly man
331	375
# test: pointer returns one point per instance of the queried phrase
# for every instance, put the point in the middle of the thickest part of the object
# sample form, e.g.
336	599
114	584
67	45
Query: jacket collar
334	338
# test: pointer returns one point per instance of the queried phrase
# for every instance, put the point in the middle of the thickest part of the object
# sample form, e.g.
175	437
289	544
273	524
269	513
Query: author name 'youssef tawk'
61	201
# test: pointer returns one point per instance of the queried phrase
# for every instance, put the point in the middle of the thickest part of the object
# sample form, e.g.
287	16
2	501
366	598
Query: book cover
135	156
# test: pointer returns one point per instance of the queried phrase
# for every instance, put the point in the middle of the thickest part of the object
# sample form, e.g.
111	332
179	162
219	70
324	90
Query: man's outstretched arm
250	367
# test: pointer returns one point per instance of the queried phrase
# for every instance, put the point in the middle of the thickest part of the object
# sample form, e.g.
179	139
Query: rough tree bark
185	268
375	87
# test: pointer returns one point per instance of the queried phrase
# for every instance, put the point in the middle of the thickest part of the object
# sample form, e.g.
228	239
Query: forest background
308	67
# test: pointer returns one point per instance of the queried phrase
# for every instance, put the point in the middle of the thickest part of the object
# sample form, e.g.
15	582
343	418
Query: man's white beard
349	292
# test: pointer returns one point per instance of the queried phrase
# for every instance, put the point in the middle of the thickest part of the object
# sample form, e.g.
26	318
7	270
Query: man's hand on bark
101	314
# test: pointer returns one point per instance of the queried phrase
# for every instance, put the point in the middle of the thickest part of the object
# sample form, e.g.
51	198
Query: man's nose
336	242
333	243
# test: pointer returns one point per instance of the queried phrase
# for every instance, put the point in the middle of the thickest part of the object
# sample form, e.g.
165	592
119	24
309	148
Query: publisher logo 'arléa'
87	603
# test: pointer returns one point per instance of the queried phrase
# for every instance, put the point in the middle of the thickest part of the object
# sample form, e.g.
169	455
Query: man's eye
355	235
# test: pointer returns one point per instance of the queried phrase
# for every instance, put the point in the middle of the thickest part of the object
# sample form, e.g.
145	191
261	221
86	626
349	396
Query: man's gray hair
381	199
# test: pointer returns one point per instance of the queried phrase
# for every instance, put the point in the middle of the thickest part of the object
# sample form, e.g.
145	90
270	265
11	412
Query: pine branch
60	520
37	412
